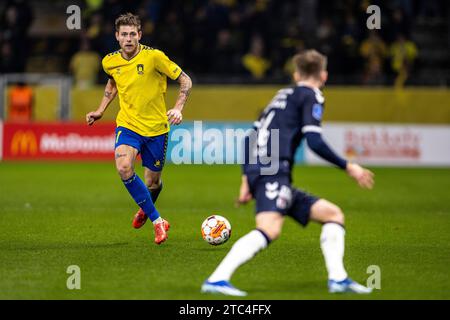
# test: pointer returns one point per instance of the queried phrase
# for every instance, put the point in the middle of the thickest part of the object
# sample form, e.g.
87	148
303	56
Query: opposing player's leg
273	198
268	229
332	243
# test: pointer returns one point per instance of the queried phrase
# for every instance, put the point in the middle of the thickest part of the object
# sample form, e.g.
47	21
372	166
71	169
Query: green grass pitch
53	215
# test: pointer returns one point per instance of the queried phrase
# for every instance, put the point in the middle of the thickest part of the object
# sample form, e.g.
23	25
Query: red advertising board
59	141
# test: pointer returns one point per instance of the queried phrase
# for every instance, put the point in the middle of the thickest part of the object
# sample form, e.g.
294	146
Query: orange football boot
140	219
161	231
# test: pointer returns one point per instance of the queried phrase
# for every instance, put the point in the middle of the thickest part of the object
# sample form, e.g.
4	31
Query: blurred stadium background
240	50
232	41
388	104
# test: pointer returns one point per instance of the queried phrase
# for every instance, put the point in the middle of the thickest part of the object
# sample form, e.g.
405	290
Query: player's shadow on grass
69	246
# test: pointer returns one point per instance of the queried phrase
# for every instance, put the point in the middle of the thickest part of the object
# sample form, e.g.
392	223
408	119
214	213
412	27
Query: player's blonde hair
310	63
128	19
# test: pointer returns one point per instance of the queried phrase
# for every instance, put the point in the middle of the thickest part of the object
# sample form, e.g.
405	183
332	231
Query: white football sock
332	243
241	252
159	220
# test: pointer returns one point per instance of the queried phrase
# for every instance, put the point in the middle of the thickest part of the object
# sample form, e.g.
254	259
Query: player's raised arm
108	97
175	115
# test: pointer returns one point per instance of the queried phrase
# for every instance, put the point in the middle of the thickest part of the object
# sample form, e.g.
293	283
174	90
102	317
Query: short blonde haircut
310	63
128	19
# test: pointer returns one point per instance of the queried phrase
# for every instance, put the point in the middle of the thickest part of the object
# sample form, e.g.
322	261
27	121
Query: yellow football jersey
142	83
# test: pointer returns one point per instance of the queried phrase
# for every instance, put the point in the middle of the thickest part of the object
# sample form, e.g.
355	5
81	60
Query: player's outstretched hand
245	195
174	116
363	176
91	117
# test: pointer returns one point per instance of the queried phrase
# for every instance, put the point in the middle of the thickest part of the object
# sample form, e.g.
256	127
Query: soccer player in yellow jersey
138	74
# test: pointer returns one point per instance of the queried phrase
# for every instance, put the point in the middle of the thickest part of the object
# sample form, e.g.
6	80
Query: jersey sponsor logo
317	112
140	69
24	142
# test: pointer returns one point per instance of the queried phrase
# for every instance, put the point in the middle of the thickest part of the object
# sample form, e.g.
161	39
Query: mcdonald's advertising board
59	141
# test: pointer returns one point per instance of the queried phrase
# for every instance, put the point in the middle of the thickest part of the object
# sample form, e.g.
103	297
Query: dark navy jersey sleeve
321	148
312	112
313	108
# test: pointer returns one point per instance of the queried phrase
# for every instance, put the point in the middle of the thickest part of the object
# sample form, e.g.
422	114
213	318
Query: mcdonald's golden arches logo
24	142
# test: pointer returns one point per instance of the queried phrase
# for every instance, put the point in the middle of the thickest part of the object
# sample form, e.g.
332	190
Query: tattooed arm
174	115
110	94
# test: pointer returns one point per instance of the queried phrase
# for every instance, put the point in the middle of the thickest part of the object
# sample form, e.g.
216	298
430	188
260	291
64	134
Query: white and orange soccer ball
216	230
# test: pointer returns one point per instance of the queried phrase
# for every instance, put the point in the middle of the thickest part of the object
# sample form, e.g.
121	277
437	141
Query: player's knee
153	183
271	231
326	212
274	233
125	170
271	224
336	215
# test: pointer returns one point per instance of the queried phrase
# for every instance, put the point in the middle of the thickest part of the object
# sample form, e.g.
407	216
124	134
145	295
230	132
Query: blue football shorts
152	149
276	194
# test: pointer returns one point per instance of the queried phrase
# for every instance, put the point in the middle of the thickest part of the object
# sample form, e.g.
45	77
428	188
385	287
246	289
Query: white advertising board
388	145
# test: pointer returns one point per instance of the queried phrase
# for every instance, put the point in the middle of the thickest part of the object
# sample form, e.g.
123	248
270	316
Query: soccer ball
216	230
